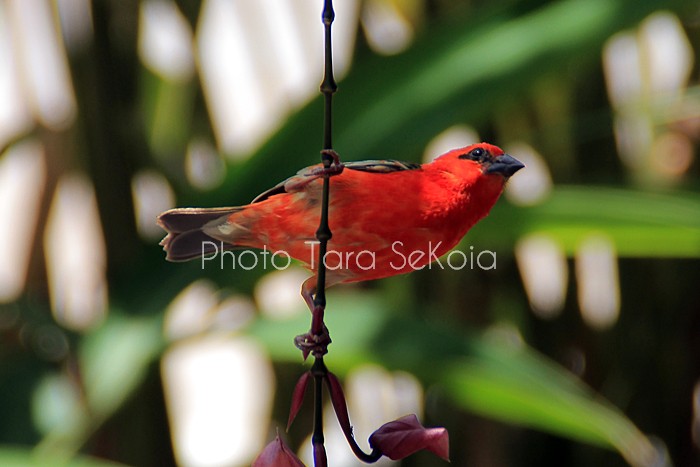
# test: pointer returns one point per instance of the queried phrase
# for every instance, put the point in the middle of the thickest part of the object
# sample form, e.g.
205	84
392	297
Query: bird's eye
476	154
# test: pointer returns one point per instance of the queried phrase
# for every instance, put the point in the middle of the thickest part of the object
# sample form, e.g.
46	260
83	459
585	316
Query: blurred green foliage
487	64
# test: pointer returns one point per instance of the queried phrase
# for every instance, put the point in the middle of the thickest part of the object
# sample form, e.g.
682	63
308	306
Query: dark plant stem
319	372
328	86
370	458
323	235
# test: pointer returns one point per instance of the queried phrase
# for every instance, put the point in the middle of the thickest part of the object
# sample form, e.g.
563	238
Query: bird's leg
308	290
315	341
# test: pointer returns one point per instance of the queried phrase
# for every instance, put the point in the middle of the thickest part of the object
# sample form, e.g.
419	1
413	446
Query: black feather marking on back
275	190
382	166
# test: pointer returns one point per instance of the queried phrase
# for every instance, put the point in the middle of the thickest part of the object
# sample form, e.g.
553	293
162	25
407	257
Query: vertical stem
328	86
319	372
323	234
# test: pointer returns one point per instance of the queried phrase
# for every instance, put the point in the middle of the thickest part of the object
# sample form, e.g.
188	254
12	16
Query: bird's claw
316	344
334	166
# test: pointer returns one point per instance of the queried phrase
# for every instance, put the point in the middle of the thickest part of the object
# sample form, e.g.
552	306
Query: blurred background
579	347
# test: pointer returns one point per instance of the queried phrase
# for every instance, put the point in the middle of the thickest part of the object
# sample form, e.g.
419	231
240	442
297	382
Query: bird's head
478	173
480	165
489	159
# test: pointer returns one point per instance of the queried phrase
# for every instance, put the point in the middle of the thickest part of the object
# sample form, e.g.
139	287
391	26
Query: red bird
387	217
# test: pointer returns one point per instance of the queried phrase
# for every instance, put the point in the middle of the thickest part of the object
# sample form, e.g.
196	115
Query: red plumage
373	205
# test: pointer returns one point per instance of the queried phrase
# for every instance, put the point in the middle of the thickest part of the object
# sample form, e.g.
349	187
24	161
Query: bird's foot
331	163
315	344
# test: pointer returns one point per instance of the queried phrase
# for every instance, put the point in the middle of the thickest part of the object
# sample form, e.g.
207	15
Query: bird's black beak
505	165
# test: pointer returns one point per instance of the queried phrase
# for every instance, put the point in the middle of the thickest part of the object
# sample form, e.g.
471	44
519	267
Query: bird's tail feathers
186	238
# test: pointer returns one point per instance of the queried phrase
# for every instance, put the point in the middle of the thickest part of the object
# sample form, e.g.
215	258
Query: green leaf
516	385
640	224
22	457
115	358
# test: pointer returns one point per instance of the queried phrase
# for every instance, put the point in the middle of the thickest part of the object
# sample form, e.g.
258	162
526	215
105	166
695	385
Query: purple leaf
405	436
339	404
277	454
298	397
